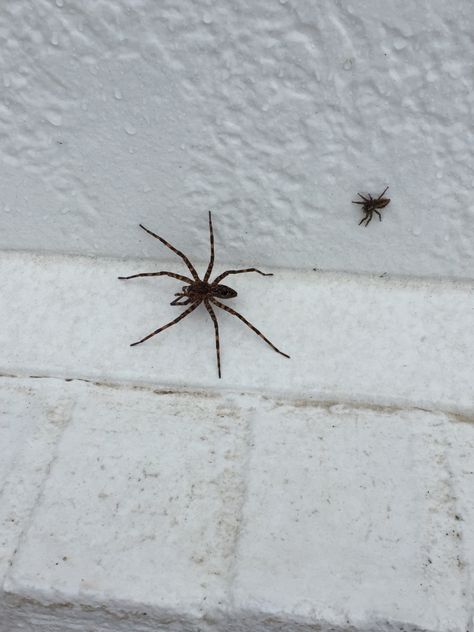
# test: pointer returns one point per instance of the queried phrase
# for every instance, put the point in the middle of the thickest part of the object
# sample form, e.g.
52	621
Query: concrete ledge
189	511
351	339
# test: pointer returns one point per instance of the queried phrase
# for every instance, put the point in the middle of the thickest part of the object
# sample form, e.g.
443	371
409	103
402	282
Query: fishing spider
201	291
370	206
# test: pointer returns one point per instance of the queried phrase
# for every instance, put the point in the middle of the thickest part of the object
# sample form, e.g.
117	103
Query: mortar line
298	399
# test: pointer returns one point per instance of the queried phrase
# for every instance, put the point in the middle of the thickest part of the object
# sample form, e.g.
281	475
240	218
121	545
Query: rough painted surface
275	114
221	509
302	494
184	512
369	340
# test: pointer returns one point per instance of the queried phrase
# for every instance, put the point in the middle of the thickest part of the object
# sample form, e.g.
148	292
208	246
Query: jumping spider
370	206
199	291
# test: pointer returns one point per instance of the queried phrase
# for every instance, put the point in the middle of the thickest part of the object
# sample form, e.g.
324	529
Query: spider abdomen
223	291
382	203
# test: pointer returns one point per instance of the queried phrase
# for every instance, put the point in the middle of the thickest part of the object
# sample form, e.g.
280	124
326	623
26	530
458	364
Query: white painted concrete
182	511
369	340
257	502
272	113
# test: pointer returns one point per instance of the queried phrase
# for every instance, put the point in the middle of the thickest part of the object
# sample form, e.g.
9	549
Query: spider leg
180	277
380	217
357	202
224	274
364	218
190	266
216	330
173	322
369	218
364	198
211	260
244	320
382	194
180	295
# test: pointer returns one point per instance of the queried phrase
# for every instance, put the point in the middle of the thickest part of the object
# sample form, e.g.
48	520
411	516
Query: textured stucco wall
272	113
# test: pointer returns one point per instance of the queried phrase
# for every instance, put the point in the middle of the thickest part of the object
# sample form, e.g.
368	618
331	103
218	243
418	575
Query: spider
370	206
199	291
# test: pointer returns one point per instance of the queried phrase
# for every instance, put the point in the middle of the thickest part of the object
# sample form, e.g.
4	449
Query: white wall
330	490
272	113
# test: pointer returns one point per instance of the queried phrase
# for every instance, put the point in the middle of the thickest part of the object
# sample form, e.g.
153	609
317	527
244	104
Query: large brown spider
201	291
370	206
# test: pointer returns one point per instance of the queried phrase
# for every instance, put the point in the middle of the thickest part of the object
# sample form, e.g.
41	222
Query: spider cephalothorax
199	291
370	206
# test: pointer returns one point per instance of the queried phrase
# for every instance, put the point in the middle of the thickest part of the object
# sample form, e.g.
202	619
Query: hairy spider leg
180	295
382	194
244	320
211	260
173	322
188	263
180	277
224	274
216	330
380	217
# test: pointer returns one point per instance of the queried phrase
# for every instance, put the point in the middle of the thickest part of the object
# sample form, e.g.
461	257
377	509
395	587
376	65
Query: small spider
199	291
370	206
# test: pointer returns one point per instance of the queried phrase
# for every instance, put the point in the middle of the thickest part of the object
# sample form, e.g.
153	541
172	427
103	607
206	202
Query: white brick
352	518
212	512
